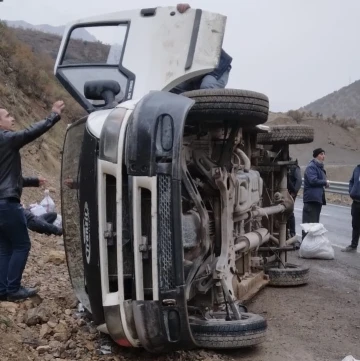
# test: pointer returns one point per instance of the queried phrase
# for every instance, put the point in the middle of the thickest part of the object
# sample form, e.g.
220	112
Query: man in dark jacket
217	79
314	192
354	191
14	236
294	185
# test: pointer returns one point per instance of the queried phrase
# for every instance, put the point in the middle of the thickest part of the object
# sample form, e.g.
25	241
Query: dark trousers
14	245
311	214
43	224
355	213
291	224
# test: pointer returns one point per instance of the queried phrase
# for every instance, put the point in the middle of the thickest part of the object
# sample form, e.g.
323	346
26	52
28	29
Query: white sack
350	358
58	221
48	203
37	209
315	244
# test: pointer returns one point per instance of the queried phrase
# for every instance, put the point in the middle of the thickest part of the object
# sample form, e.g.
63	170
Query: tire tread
287	134
230	334
245	107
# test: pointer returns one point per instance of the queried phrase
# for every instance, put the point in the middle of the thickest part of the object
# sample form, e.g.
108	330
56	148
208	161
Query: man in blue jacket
354	191
314	188
217	79
14	236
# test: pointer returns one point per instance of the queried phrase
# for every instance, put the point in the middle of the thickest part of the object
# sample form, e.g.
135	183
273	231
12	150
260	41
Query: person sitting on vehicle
217	79
294	184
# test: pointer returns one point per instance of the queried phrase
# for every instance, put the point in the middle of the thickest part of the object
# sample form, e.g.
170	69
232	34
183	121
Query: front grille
165	246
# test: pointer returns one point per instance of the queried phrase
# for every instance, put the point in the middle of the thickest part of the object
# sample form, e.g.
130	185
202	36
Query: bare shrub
296	115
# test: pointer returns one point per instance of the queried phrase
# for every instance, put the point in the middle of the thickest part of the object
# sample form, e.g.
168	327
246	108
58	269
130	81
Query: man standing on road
354	191
217	79
314	192
294	185
14	236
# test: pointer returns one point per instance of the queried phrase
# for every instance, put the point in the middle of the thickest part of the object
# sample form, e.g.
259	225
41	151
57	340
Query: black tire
287	134
245	107
292	275
222	334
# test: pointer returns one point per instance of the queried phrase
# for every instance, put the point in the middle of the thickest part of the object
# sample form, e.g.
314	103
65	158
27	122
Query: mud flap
161	327
153	149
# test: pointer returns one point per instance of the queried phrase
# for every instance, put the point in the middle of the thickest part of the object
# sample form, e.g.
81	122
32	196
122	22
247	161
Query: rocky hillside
342	104
28	89
42	43
57	30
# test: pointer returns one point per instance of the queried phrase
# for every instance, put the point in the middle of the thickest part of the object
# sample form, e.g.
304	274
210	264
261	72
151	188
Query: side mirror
105	90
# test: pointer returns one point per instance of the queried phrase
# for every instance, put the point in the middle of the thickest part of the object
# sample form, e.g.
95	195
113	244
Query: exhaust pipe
252	240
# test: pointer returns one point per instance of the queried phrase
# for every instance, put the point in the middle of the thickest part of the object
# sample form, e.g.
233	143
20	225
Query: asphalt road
336	219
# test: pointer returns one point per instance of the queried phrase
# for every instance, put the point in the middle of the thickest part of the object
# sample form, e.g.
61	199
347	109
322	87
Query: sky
294	51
